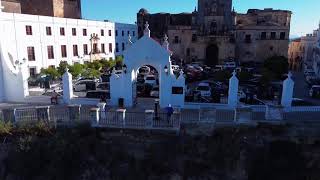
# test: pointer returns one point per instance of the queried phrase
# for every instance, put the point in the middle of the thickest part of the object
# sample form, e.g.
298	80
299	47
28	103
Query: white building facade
46	41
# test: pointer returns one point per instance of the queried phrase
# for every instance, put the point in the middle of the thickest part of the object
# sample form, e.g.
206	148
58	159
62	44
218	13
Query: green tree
94	65
119	61
90	73
244	76
222	76
276	66
62	67
52	72
76	70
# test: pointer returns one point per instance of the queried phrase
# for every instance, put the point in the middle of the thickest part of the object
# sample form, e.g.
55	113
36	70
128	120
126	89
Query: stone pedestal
94	113
102	110
149	114
287	91
67	87
121	115
233	90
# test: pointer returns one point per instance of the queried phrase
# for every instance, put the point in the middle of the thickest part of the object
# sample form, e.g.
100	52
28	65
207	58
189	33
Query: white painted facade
17	41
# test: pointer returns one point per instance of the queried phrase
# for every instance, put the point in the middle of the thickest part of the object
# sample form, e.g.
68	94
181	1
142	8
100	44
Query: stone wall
37	7
11	6
56	8
67	8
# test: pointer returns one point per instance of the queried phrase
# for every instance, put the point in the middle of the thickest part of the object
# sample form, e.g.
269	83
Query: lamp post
166	70
124	68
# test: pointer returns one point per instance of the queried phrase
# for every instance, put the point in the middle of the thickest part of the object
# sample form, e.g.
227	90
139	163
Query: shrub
5	128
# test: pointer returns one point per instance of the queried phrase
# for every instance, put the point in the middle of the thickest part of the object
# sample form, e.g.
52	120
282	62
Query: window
74	32
176	40
123	47
50	52
283	35
75	50
29	30
122	33
273	35
128	33
177	90
31	55
117	47
116	32
95	48
103	50
102	32
52	66
32	71
48	31
133	33
85	49
84	32
110	47
263	35
110	33
248	38
64	51
62	32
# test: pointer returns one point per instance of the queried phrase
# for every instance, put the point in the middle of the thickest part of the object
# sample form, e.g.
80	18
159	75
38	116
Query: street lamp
124	68
166	70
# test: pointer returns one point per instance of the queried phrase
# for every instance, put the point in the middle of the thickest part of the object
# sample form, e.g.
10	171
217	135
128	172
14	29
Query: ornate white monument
147	51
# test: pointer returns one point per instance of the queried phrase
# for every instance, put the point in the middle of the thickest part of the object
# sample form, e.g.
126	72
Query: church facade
214	33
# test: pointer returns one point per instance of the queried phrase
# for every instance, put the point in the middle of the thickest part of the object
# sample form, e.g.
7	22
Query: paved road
301	89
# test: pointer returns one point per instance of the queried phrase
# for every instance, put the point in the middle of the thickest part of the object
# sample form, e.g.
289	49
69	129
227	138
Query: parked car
144	70
103	86
301	102
151	79
204	89
230	65
84	85
309	73
99	94
155	92
314	91
50	92
140	78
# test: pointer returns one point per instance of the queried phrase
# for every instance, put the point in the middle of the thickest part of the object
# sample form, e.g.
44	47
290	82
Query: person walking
169	112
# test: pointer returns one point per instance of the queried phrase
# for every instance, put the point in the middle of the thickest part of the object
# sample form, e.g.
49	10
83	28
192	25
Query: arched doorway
146	87
212	55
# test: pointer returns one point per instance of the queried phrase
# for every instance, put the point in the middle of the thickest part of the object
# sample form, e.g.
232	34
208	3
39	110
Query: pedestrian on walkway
169	112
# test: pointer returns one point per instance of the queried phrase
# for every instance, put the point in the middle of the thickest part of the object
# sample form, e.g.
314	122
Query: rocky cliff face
226	154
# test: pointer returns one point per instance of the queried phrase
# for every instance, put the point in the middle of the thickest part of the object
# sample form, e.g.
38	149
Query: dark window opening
264	35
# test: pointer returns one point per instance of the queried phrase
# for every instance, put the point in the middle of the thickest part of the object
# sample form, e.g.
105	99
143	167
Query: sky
305	17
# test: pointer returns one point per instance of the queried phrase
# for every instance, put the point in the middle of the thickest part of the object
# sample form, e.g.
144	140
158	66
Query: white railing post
94	112
149	118
121	113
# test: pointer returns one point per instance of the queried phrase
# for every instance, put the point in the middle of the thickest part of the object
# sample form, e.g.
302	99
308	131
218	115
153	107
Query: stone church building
214	33
55	8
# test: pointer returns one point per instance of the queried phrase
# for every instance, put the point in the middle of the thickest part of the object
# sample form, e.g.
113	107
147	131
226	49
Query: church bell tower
214	16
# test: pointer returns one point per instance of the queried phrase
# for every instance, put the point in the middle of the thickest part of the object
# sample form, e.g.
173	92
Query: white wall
123	39
17	41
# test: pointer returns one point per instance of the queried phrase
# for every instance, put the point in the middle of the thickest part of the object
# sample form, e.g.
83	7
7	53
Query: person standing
169	112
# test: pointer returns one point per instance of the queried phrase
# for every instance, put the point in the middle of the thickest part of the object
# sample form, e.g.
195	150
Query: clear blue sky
305	18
